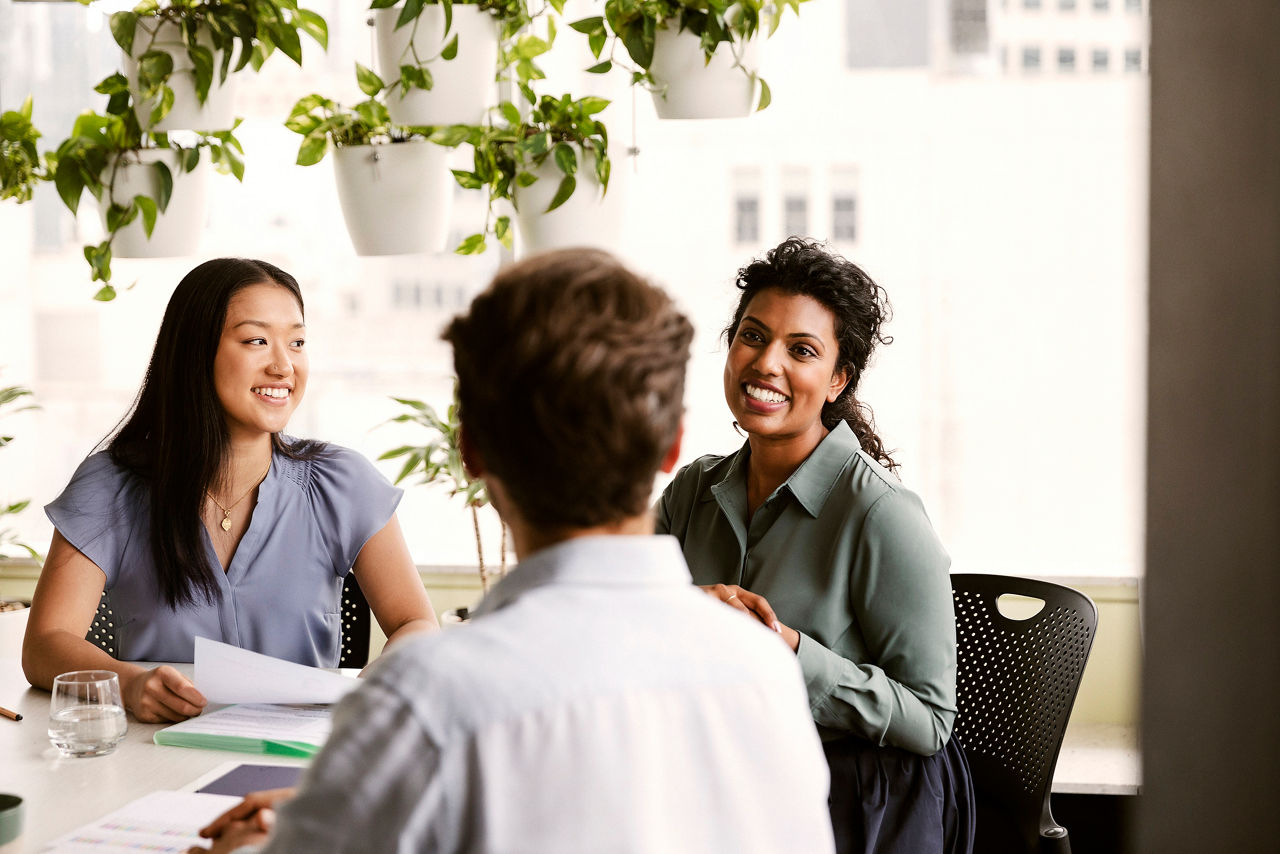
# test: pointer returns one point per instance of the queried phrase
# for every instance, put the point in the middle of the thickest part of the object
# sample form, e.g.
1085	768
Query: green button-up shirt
846	556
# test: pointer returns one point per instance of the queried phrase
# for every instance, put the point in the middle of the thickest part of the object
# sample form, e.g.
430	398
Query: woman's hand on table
162	695
246	823
754	605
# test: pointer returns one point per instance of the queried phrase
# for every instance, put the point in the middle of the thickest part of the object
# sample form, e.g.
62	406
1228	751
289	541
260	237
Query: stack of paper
281	705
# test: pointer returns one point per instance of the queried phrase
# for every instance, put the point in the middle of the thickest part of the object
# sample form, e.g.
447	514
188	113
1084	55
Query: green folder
272	730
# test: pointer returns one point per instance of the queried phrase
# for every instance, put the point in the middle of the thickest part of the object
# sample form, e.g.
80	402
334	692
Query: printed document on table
229	674
253	728
161	823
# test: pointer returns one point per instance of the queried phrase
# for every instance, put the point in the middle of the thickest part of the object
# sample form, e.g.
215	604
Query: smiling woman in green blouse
807	530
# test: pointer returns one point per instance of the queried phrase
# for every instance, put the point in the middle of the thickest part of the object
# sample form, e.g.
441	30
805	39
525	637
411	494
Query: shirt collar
618	561
810	483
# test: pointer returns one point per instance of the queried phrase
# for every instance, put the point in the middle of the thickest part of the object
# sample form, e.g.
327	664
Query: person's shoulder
308	463
707	470
100	471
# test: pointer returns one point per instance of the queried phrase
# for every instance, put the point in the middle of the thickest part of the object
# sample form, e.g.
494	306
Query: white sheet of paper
229	674
267	721
159	822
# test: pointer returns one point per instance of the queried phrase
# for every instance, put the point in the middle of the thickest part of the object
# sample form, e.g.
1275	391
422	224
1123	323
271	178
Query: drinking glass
86	714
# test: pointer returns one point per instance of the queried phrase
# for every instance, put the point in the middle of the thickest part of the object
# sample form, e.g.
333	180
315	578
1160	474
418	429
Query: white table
62	794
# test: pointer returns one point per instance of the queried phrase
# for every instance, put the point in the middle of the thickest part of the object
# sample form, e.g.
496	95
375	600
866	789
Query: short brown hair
571	385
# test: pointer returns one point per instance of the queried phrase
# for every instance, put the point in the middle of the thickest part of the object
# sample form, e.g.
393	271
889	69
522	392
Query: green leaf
596	41
563	192
383	4
601	67
164	180
468	180
202	62
123	26
147	207
286	38
315	26
163	106
69	183
313	149
118	216
473	245
451	49
502	231
370	83
450	136
154	67
190	159
566	158
587	26
591	105
411	10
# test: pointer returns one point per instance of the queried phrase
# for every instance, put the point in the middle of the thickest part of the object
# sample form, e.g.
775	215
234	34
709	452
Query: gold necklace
226	511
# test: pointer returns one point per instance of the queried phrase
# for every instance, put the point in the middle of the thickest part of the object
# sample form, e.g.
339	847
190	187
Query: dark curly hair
860	306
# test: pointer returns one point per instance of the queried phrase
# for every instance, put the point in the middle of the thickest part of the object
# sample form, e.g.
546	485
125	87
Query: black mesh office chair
356	623
1017	682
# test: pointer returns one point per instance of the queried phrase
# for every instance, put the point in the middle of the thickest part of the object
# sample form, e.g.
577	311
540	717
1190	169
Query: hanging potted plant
393	182
699	58
551	167
439	461
21	166
181	55
150	187
11	397
441	58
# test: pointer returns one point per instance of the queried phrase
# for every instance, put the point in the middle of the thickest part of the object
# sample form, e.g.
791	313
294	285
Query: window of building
1031	4
844	217
746	228
1066	59
1101	59
1133	6
1101	5
1031	59
1067	5
795	215
1133	59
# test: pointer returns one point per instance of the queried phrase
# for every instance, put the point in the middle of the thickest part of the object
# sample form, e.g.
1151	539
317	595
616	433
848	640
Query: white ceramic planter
218	110
463	88
178	227
396	198
696	89
586	219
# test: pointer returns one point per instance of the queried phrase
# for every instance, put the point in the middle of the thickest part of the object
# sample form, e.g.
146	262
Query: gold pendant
226	522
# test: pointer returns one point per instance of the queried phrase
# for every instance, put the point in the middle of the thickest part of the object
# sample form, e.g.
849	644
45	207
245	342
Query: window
1101	5
1031	59
844	217
746	227
1066	59
1101	59
1133	6
1067	5
1031	4
1133	59
795	216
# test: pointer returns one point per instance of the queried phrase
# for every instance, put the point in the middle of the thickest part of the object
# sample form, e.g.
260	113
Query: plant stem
484	573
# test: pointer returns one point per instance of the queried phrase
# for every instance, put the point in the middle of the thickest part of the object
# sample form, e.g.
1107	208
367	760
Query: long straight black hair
175	438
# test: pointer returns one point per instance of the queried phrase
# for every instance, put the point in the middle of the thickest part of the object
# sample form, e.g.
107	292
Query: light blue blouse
281	595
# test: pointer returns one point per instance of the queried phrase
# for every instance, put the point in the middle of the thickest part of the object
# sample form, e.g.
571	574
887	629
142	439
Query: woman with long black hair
807	530
202	518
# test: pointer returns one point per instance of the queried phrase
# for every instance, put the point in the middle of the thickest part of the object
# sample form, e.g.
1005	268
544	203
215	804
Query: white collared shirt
598	702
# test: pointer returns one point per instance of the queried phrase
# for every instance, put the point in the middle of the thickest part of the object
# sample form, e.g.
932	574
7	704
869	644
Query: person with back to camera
597	702
807	529
201	518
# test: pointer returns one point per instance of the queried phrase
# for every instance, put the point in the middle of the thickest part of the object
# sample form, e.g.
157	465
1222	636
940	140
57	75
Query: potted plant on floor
11	399
537	164
394	184
697	57
181	56
439	461
150	187
441	58
21	166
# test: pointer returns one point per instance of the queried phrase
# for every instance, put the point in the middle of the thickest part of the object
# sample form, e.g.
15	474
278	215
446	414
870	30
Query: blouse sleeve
352	501
900	594
99	512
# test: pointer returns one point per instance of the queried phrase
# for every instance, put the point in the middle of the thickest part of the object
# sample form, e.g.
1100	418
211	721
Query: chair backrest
1016	684
356	626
